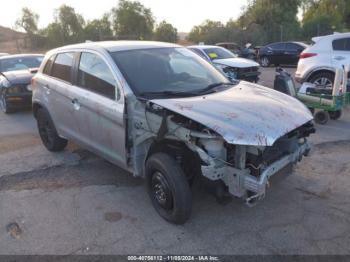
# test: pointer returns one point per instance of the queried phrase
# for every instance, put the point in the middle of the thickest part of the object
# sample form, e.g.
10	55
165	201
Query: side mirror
34	70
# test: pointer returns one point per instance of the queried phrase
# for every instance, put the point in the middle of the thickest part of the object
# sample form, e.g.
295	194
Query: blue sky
181	13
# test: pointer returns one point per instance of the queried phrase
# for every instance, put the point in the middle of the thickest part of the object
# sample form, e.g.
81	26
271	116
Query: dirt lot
76	203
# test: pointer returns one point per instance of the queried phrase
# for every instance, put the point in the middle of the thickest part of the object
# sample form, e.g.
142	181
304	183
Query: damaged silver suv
161	112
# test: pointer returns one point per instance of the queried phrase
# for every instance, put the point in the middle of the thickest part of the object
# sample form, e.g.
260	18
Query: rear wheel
168	188
48	133
335	115
323	79
265	61
321	117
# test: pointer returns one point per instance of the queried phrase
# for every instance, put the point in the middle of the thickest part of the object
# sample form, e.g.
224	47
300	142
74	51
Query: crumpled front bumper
241	183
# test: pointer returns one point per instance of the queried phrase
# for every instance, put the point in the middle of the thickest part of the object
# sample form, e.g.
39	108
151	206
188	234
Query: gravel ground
76	203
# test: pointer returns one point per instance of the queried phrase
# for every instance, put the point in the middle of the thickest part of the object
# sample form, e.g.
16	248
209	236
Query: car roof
19	56
332	36
114	46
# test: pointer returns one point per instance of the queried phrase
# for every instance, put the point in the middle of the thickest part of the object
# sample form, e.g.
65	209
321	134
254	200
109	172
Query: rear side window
62	67
277	46
341	44
48	65
95	75
198	52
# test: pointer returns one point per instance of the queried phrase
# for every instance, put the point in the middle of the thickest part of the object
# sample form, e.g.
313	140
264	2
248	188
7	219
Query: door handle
76	104
339	58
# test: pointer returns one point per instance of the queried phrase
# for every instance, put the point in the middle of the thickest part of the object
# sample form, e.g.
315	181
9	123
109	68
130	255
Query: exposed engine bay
243	169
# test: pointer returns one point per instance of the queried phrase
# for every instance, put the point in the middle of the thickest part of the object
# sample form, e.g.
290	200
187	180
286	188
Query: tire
325	79
168	188
48	133
4	107
335	115
321	117
264	61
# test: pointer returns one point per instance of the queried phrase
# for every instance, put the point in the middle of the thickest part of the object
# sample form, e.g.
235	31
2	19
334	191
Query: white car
317	63
233	66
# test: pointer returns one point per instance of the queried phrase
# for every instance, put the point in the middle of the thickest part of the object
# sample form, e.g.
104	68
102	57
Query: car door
57	90
341	52
275	52
291	54
99	105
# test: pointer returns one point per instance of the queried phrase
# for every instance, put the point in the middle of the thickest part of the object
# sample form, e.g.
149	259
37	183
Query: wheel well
189	161
319	72
36	107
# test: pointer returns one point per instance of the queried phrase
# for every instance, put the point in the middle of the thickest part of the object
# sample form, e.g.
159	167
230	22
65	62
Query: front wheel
265	61
168	188
4	107
321	117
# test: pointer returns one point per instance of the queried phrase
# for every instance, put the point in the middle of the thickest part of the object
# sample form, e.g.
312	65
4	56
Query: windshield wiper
214	85
167	93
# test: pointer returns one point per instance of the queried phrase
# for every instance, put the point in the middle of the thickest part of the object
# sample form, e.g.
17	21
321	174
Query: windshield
161	70
20	63
218	53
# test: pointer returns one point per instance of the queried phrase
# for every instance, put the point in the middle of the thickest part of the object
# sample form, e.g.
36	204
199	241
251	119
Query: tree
131	20
99	29
209	32
28	21
166	32
71	24
323	17
277	19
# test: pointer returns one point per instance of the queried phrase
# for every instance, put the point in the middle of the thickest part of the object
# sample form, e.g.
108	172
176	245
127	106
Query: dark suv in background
286	53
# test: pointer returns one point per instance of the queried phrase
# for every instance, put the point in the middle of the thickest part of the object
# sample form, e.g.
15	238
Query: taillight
307	55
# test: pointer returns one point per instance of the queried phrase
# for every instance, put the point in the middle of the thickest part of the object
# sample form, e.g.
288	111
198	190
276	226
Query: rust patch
183	107
113	217
17	142
14	230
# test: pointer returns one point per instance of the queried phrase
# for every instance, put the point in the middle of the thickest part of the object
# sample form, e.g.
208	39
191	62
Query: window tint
20	63
95	75
294	47
62	67
277	46
341	44
198	52
48	65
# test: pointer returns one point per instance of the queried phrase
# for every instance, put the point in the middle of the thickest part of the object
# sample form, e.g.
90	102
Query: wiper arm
167	93
214	85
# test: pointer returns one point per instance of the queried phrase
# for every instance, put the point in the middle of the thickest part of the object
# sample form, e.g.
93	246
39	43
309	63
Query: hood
246	114
19	77
236	62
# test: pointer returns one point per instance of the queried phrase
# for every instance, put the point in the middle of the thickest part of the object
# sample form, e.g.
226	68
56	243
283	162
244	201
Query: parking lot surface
76	203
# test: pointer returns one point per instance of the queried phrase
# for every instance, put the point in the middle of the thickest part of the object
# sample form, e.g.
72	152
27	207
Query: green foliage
131	20
165	32
99	29
28	21
323	17
70	23
209	32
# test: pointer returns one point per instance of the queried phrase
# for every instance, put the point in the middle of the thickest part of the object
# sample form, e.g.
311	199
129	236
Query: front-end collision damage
245	170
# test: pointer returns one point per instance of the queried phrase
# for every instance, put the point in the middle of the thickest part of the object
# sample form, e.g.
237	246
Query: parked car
233	66
283	53
318	62
16	72
161	112
245	52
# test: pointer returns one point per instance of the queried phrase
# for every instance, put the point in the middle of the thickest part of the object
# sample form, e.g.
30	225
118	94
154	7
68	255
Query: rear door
276	53
292	52
57	91
341	52
99	105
